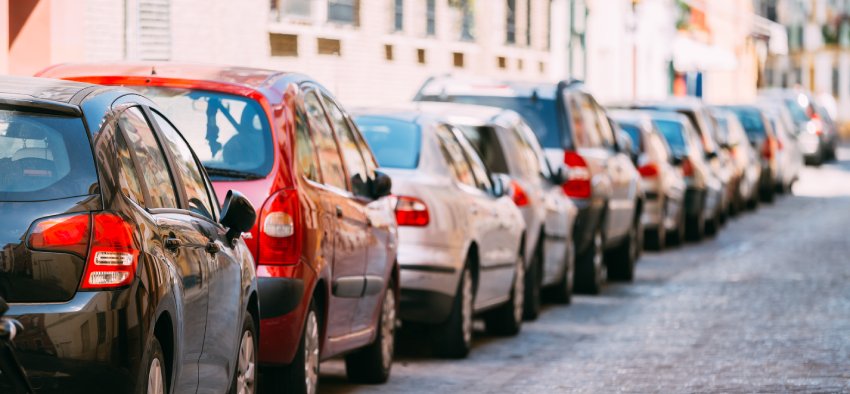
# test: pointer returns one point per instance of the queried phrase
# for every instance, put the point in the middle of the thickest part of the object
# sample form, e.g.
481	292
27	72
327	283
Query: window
396	143
194	184
153	30
299	8
520	64
344	11
502	62
454	156
606	132
467	28
487	145
148	155
479	170
430	18
398	15
510	22
542	67
305	152
388	52
457	59
283	44
529	163
131	186
328	46
527	135
528	22
420	56
350	150
333	173
584	120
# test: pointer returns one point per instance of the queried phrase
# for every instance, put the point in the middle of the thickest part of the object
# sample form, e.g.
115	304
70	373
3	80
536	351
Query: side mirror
559	176
676	160
382	186
711	155
501	185
237	215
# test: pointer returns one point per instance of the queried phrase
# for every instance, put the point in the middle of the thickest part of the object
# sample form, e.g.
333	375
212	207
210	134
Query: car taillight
815	125
578	183
767	148
648	170
279	235
687	167
62	234
518	194
411	211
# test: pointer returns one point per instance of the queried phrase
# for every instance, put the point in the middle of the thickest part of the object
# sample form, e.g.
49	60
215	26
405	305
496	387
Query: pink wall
29	36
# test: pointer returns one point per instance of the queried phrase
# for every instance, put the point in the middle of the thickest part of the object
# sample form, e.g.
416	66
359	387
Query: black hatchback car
125	273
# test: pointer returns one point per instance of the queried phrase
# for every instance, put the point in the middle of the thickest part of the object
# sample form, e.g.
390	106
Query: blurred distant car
703	189
508	146
789	158
460	232
763	138
663	184
745	158
578	139
816	130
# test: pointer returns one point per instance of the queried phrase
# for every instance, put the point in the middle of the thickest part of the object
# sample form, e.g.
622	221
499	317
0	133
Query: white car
790	159
460	233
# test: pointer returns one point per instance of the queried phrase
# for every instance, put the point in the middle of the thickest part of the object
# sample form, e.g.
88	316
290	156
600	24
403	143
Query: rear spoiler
41	106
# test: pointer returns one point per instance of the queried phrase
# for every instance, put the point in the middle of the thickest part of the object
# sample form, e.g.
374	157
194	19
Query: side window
479	170
606	132
185	164
528	135
333	173
368	156
350	150
149	157
305	152
531	163
454	157
584	120
129	181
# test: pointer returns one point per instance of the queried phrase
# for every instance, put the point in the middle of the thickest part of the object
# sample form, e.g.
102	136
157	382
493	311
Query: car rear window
752	121
486	144
230	134
634	133
541	114
395	143
797	111
44	157
674	133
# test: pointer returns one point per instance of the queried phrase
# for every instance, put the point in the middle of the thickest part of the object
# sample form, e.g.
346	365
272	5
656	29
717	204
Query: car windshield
752	121
674	134
540	113
395	143
797	112
633	131
229	134
44	157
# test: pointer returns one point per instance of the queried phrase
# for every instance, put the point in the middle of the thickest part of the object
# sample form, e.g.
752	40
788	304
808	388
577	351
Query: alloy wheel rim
466	307
519	290
311	353
247	365
155	383
388	329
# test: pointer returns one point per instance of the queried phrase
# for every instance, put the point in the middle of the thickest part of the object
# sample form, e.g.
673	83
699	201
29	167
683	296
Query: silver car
789	156
745	157
460	233
508	146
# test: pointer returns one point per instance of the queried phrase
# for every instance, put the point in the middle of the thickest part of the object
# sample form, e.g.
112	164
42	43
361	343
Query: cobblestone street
764	307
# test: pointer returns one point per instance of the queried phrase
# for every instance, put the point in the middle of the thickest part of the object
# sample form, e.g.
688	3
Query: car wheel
591	272
453	338
533	282
696	224
372	364
621	265
245	376
155	381
655	239
562	292
506	320
677	236
711	226
302	375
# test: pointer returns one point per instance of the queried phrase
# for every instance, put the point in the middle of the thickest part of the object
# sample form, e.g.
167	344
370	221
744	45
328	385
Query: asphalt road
763	307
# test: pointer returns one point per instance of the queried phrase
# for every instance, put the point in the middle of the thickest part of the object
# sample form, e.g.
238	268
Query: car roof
457	85
41	89
475	115
405	113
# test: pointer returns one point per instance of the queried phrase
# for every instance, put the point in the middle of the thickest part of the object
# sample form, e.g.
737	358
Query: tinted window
44	157
603	124
525	134
486	144
634	133
350	150
584	121
396	143
540	114
184	162
752	121
797	112
230	134
330	162
454	156
149	157
128	180
479	170
674	134
305	152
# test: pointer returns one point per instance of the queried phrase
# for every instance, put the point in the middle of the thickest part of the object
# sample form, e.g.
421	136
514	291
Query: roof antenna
153	70
534	96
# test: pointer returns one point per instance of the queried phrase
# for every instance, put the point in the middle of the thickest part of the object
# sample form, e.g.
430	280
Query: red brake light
687	167
62	234
649	170
518	194
280	238
768	148
411	211
578	183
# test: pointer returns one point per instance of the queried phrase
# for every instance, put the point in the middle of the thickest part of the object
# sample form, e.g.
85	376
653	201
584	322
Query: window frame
328	102
308	89
444	136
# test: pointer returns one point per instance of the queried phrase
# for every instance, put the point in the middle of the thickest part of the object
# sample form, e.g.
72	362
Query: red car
325	238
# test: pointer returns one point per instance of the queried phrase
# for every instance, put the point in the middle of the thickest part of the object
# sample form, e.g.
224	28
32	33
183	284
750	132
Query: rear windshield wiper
212	171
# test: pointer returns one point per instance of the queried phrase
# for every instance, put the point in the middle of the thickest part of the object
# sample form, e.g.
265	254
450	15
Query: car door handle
172	244
339	211
213	248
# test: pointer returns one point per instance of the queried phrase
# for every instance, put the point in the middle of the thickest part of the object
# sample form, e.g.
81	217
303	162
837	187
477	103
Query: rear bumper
589	218
652	216
429	280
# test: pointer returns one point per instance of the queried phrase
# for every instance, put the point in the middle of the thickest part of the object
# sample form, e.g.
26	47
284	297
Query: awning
692	55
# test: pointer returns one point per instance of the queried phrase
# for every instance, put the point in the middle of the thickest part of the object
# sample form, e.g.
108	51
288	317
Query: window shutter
154	32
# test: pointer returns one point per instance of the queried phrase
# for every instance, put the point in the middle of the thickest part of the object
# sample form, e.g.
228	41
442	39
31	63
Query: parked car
116	252
719	160
704	189
508	146
460	232
600	179
325	240
789	157
663	184
762	137
746	159
818	133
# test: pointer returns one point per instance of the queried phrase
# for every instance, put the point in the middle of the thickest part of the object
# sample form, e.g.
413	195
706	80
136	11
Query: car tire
591	271
562	292
453	338
712	226
533	283
373	363
621	264
302	375
245	376
656	239
696	224
155	374
506	320
677	236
